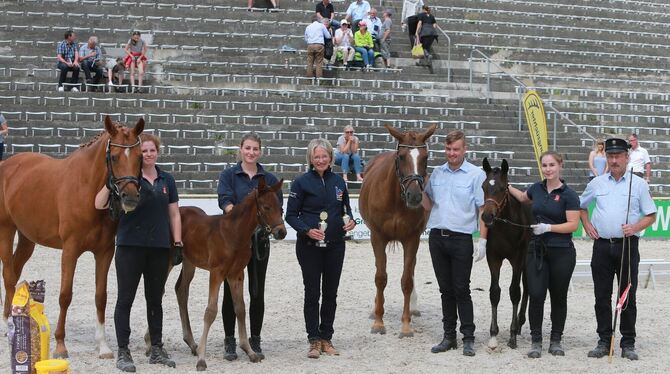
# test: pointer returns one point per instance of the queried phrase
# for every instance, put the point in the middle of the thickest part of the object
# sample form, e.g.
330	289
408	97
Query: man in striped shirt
68	60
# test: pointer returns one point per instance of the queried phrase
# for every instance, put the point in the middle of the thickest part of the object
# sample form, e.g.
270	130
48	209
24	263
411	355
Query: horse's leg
494	296
410	247
515	297
181	288
24	250
236	283
414	304
9	277
68	264
215	279
379	248
103	259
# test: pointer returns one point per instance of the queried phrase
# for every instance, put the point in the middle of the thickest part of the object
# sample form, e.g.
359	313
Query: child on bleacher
115	69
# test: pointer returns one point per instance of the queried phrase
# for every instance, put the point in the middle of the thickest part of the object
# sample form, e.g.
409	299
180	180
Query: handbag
417	51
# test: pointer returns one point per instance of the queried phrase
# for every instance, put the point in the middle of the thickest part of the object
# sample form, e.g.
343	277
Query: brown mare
508	223
390	204
50	202
221	244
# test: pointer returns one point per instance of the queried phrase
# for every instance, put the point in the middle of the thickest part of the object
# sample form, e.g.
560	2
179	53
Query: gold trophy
322	226
345	220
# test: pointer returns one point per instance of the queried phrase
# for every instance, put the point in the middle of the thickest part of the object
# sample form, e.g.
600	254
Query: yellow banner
537	124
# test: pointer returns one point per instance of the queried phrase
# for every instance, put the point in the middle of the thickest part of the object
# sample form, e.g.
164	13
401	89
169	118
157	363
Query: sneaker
74	89
124	361
230	346
160	356
555	348
327	348
314	349
535	350
61	89
255	343
445	345
599	351
629	353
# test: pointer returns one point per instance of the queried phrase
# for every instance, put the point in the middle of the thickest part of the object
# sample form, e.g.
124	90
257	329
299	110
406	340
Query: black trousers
321	270
256	271
452	262
63	74
548	268
605	264
427	43
131	264
87	67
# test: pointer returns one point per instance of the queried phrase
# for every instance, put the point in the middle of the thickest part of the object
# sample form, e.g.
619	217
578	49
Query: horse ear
486	165
139	127
109	126
261	183
277	186
395	133
428	133
504	167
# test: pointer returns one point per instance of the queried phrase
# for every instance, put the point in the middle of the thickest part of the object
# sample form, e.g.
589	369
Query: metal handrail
489	61
448	53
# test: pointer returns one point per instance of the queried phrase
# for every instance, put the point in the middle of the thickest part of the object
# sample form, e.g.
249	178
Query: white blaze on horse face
415	160
127	152
492	182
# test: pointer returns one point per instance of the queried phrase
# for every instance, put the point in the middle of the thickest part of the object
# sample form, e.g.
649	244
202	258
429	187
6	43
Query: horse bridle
261	220
499	208
406	180
112	181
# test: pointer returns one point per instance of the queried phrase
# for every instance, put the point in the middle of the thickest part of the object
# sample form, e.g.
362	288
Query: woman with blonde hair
597	160
319	211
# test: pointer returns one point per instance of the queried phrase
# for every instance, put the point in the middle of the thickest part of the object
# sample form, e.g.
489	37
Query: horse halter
406	180
113	181
261	219
499	208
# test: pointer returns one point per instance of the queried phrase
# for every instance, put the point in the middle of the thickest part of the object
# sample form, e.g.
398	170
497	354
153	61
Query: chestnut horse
221	244
390	204
50	202
508	223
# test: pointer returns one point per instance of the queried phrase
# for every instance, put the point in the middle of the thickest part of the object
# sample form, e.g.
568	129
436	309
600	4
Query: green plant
196	105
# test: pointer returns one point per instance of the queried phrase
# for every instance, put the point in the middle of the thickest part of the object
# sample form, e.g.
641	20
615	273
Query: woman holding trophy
319	211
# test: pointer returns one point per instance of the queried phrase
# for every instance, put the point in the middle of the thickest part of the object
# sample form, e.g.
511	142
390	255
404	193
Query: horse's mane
99	135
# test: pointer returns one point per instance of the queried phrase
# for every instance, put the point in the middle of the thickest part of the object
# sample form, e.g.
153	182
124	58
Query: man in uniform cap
615	239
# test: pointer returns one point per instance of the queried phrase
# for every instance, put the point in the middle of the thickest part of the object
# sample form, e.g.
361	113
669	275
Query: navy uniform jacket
551	208
149	224
310	195
235	184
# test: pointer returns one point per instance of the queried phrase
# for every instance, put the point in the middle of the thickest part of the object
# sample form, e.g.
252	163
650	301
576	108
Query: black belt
616	240
447	233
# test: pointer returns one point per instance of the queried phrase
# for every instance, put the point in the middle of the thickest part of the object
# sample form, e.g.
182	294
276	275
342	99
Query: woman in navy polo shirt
143	249
235	183
316	207
551	253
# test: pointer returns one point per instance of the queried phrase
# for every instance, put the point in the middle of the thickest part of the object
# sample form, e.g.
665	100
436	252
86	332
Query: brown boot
314	349
327	348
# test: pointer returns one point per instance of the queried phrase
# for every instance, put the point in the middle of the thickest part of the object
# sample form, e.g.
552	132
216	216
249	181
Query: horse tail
392	246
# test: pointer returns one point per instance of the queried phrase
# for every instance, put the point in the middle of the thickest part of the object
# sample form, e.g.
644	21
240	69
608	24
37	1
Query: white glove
541	228
480	252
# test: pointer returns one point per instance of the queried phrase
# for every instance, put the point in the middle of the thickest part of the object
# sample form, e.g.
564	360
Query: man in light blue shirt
615	242
89	55
454	197
315	35
357	11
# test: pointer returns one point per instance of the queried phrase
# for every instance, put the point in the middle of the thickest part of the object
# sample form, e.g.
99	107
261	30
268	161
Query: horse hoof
201	365
378	330
106	355
254	358
60	355
406	334
511	344
415	313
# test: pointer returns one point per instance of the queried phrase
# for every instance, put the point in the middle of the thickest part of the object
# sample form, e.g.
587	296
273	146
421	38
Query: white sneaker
74	89
61	89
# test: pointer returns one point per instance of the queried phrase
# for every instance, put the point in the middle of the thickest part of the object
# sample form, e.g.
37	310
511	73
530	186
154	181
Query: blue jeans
342	159
368	55
334	24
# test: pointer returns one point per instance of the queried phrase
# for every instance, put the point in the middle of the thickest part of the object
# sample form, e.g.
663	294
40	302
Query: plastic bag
417	51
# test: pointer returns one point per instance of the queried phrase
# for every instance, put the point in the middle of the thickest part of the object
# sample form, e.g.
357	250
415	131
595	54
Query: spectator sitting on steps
374	26
346	149
274	3
89	56
325	9
364	45
68	60
356	12
115	71
343	41
136	59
